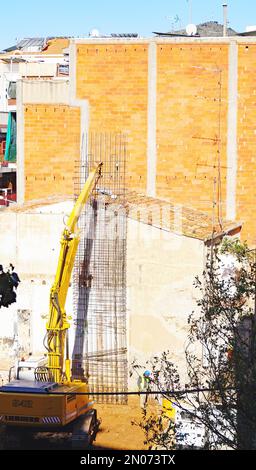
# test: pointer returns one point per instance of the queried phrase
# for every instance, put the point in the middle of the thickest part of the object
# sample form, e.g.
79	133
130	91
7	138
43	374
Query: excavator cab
28	407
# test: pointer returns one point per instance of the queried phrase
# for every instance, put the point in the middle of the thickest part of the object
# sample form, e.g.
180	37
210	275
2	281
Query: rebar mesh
100	351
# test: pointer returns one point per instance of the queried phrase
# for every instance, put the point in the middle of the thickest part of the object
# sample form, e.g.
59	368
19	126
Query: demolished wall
160	270
31	243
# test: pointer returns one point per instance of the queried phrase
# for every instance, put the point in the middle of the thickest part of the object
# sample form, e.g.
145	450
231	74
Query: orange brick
51	147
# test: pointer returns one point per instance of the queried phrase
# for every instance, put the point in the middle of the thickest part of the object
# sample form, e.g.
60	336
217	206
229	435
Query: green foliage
236	248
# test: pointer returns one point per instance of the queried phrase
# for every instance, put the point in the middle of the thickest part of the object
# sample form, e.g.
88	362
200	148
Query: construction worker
144	382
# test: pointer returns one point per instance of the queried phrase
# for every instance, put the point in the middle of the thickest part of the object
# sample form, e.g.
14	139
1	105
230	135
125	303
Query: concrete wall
161	270
37	69
45	92
4	68
31	242
161	267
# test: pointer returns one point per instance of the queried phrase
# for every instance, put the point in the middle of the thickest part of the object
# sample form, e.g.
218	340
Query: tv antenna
174	20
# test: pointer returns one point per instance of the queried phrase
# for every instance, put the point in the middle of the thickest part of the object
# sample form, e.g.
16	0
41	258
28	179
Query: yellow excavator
43	397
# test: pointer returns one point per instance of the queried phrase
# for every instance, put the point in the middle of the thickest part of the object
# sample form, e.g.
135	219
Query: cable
161	392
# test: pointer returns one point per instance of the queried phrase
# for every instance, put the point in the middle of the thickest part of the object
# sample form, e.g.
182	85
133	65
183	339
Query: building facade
185	104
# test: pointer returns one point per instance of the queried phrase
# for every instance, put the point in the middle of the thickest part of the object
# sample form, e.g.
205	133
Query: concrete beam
72	71
152	100
83	104
45	91
232	131
167	40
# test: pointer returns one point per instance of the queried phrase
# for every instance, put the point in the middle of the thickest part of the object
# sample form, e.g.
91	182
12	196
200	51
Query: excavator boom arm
58	325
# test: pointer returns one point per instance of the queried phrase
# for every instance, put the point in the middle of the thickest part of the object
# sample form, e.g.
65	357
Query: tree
220	357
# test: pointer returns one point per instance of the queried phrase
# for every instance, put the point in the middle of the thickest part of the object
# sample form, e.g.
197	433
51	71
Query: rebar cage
100	349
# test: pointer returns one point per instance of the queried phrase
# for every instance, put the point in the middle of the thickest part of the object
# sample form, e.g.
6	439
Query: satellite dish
191	29
94	33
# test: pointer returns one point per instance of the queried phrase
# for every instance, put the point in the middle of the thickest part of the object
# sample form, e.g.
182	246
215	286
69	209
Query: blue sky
29	18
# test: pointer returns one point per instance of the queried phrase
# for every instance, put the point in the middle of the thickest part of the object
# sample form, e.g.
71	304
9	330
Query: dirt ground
116	430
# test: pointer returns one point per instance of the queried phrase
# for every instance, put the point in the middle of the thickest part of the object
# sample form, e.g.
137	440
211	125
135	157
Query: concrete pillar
152	97
72	71
232	131
74	101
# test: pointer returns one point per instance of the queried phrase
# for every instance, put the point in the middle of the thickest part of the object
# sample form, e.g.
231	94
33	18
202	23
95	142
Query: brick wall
188	120
51	147
246	140
114	78
191	78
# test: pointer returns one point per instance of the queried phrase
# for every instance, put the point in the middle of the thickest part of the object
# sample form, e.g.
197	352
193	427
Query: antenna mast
189	11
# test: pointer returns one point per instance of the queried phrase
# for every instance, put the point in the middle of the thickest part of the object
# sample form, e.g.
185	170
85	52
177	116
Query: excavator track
85	430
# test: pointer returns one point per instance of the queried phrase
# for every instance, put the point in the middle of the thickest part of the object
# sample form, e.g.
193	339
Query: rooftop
27	43
177	218
207	29
36	204
56	45
50	45
152	211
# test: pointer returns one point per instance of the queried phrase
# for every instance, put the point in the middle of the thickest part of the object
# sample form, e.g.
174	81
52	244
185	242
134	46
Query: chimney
225	19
